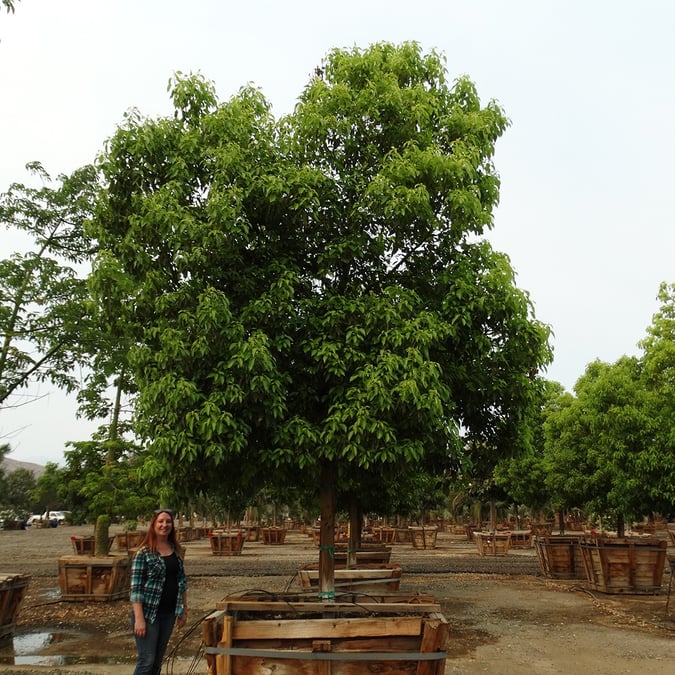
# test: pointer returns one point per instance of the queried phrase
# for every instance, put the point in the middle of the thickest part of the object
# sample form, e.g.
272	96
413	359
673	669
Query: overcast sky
586	166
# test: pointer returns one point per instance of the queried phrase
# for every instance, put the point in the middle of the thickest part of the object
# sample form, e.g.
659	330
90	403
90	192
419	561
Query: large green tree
317	292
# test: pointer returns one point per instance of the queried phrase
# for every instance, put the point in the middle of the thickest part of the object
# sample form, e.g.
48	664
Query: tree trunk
620	526
561	521
101	536
354	542
327	502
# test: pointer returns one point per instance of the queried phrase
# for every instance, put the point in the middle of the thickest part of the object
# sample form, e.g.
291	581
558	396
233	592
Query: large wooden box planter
288	635
364	578
423	537
129	541
367	553
492	543
630	565
226	543
94	578
273	535
560	557
12	589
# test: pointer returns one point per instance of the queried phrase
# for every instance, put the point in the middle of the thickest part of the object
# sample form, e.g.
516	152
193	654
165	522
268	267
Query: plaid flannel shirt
148	573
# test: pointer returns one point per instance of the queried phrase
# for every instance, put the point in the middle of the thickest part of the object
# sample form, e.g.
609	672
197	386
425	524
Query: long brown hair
150	539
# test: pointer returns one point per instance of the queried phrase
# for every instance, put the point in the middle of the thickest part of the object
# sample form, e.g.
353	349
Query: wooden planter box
273	535
560	556
521	539
364	578
86	545
12	589
186	533
423	537
403	535
630	565
542	529
386	535
368	553
226	543
128	541
252	532
13	524
469	531
492	543
254	635
94	578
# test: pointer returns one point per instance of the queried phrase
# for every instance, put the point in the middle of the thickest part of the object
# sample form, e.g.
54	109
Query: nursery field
505	618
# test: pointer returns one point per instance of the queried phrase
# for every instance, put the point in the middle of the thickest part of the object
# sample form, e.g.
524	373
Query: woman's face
163	524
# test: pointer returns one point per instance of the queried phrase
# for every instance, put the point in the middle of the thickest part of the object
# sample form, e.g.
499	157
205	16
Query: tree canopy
317	288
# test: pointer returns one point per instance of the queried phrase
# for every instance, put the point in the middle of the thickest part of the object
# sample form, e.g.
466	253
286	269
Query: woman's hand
182	619
139	627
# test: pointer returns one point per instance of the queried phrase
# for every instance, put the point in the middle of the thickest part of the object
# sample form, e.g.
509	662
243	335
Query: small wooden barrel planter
273	535
423	537
560	557
12	589
227	543
364	578
86	578
492	543
631	565
286	634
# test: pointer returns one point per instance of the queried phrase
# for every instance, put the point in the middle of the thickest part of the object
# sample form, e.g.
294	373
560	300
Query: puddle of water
24	650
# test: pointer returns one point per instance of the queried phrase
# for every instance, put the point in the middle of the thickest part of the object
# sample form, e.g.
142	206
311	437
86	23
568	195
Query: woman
158	592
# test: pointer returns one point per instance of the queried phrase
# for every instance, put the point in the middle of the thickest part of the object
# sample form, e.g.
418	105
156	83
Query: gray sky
586	165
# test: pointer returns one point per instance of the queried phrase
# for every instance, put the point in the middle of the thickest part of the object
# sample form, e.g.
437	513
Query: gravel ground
505	618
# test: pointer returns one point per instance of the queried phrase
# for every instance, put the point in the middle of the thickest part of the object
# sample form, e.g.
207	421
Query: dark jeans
151	648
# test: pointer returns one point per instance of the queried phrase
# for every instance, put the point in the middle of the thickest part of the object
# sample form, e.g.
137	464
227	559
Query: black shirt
167	603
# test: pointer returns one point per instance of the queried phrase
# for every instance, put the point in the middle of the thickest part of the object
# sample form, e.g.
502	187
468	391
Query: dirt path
505	619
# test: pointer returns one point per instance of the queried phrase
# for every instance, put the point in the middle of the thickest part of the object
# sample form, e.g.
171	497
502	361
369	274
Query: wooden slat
434	638
224	661
326	628
335	608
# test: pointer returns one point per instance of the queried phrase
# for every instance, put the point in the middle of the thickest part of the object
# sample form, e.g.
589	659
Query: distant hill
10	465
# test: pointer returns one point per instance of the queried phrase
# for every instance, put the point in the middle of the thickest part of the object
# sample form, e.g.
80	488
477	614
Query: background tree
657	466
523	477
42	291
48	490
316	292
599	441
